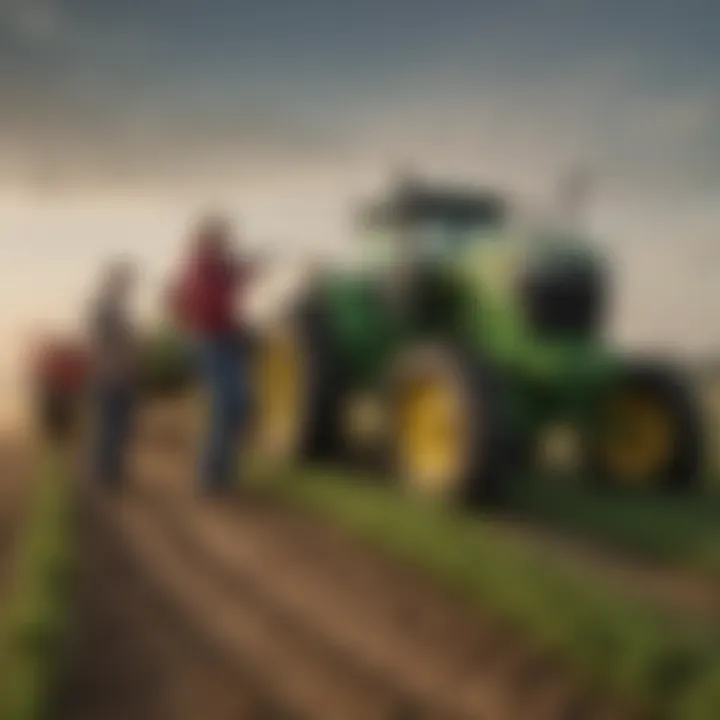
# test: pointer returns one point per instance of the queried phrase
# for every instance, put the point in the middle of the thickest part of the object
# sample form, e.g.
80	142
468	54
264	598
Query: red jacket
205	297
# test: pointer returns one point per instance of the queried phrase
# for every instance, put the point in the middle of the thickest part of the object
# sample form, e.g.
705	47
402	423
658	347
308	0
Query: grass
683	531
665	666
35	624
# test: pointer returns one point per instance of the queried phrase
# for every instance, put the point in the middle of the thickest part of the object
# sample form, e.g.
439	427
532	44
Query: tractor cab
421	222
415	237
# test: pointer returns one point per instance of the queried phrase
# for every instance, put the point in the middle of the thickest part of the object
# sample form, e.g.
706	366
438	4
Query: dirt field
672	589
192	608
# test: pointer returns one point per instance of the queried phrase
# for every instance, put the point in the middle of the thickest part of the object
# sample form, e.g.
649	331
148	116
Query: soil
672	589
234	607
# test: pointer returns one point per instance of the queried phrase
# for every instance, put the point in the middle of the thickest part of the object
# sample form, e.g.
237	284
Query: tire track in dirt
138	654
317	679
389	630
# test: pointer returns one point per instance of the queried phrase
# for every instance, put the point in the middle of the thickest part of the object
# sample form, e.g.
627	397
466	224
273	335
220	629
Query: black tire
679	468
318	433
326	386
490	446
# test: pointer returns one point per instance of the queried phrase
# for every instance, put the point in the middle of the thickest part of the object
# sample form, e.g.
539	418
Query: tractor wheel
298	389
650	432
450	427
364	430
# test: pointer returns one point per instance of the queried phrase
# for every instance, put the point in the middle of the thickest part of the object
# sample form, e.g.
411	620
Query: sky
121	120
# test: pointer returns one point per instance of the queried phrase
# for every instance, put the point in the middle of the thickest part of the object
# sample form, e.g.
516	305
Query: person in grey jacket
113	342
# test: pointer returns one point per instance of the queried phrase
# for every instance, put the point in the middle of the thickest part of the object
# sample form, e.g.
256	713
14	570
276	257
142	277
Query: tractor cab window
439	239
433	224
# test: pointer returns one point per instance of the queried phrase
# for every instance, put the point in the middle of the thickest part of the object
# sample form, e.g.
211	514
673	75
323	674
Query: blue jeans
114	415
223	369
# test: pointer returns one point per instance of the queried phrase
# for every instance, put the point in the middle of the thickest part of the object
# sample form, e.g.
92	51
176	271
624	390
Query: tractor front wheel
451	432
650	432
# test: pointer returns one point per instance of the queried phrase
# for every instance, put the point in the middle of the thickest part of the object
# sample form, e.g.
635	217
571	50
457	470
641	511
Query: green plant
36	622
166	365
676	530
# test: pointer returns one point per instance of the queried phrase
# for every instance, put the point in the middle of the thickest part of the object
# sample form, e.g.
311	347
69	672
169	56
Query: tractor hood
562	288
557	282
541	300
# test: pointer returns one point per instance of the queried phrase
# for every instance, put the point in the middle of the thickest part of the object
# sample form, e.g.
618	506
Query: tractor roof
414	203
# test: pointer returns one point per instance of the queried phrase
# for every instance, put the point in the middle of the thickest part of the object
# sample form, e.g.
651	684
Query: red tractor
59	377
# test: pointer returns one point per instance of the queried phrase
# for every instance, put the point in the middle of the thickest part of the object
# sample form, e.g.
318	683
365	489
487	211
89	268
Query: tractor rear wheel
650	432
297	391
450	427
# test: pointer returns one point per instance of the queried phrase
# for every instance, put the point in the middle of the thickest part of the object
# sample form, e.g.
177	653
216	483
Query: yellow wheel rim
638	444
431	434
278	409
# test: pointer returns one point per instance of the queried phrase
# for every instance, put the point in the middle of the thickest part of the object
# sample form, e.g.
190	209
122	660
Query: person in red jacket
208	302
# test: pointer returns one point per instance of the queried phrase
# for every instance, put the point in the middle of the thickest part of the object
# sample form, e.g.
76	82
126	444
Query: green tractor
452	348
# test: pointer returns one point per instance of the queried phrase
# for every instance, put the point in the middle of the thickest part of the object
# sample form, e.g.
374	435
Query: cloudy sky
119	119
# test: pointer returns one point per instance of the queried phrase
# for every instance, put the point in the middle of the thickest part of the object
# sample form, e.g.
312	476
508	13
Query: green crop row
681	531
166	365
664	666
35	623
